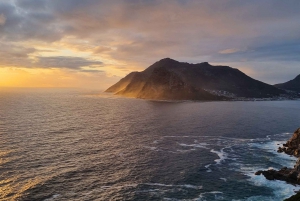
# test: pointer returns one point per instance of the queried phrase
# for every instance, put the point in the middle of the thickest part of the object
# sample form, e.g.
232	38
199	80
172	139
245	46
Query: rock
297	165
285	174
269	174
292	146
293	175
294	198
290	175
259	172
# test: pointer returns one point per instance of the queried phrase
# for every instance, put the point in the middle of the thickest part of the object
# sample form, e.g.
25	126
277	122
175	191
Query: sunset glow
52	43
136	100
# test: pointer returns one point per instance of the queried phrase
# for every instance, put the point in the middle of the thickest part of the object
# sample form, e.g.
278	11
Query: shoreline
289	175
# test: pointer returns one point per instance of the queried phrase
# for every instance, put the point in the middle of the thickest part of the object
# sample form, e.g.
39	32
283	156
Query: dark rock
294	198
270	174
285	174
297	165
293	175
290	175
259	172
292	147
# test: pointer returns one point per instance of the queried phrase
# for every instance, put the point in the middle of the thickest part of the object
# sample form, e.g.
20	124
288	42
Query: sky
94	43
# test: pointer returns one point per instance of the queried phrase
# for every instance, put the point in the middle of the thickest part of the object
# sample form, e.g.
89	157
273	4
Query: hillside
168	79
292	85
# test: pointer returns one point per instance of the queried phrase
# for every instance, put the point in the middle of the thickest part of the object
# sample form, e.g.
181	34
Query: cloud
135	33
101	49
2	19
284	52
229	51
15	55
66	62
24	57
22	24
32	5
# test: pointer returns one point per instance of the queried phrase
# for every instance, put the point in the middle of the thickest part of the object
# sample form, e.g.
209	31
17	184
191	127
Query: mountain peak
205	63
167	60
171	79
170	60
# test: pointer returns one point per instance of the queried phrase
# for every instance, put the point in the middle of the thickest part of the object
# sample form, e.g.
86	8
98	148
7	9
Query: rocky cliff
290	175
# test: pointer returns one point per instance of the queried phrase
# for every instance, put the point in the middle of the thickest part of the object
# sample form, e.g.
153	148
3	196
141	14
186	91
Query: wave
171	185
221	154
53	197
281	189
200	145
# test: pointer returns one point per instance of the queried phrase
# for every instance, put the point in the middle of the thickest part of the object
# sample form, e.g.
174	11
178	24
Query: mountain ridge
168	79
292	85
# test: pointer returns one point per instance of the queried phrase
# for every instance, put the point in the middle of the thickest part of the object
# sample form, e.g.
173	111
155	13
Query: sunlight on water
59	145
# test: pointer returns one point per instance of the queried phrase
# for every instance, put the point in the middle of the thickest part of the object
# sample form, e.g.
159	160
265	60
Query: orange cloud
72	38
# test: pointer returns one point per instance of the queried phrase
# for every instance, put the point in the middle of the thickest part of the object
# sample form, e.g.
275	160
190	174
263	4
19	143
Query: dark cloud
14	55
22	24
91	71
32	5
286	52
66	62
19	56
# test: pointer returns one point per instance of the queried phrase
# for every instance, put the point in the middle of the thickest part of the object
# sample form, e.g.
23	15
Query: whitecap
207	167
118	187
200	145
151	148
53	197
222	155
224	179
171	185
279	158
217	195
281	189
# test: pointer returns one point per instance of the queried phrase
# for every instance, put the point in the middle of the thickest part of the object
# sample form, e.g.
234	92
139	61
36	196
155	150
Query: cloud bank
118	36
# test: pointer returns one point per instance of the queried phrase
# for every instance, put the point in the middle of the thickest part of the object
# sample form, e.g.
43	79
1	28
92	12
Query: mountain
168	79
292	85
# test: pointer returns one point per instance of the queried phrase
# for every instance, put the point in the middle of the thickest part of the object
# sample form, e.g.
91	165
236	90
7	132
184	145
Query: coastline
225	98
289	175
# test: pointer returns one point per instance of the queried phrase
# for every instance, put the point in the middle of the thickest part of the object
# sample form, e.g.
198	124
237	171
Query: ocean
58	145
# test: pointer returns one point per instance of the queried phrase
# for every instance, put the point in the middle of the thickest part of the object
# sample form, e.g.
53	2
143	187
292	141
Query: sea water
74	145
